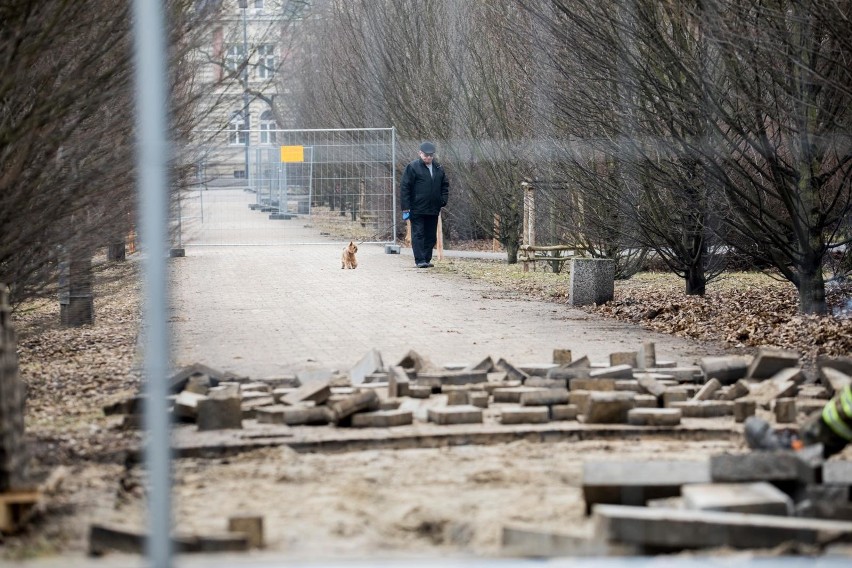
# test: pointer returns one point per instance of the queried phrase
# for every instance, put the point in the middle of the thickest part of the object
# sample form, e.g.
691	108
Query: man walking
424	190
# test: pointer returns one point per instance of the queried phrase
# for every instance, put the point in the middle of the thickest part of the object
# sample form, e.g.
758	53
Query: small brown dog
347	259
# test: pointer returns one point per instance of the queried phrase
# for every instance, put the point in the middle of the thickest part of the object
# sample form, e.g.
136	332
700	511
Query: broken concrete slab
608	407
654	416
382	419
768	361
691	374
419	391
273	414
455	415
524	415
249	525
759	498
304	415
635	482
457	397
672	396
371	362
682	529
398	382
727	369
110	538
249	404
547	397
766	391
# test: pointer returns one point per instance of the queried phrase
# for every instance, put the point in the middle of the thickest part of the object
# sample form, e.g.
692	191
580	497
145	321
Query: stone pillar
13	459
592	281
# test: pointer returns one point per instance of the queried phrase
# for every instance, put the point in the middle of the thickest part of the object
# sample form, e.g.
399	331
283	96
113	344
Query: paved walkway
266	311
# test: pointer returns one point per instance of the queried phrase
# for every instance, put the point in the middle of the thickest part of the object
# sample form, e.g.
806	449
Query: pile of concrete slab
634	388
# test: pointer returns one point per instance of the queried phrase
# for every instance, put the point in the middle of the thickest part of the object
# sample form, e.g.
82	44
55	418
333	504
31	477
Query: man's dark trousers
424	235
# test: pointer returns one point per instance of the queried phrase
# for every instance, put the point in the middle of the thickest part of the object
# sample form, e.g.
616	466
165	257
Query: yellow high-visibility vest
837	413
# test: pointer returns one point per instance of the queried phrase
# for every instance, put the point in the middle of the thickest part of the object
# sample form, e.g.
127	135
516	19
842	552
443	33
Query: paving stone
613	372
186	405
672	396
414	361
785	411
529	542
653	416
454	366
665	364
689	374
824	501
766	391
647	356
737	390
592	384
537	369
178	381
608	407
479	399
635	482
728	369
360	402
683	529
436	379
564	412
486	365
382	419
646	401
455	415
760	498
769	361
513	394
273	414
390	404
566	373
837	472
371	362
305	415
834	379
562	356
547	397
317	393
704	408
707	391
763	466
255	387
813	391
249	404
650	384
809	406
199	383
544	382
249	525
280	394
396	377
524	415
743	408
283	382
419	391
374	378
220	414
623	358
514	373
314	375
455	398
630	385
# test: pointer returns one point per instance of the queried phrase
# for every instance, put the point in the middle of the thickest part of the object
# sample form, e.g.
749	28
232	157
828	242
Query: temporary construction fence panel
339	182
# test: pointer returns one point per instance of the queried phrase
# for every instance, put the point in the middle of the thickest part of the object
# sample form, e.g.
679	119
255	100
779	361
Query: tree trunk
811	288
696	282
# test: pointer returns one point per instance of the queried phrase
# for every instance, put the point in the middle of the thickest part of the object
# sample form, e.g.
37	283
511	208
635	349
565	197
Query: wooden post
495	242
529	214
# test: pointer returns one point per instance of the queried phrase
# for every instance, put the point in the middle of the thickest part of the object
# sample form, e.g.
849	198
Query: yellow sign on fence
292	153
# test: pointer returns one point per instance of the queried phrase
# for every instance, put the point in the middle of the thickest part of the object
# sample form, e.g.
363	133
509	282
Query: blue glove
406	215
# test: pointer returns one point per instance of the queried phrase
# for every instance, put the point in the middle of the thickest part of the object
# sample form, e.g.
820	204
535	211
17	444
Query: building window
237	133
268	128
234	57
265	61
258	4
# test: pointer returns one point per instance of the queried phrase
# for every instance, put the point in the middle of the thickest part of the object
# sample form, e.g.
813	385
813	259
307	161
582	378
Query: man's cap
427	148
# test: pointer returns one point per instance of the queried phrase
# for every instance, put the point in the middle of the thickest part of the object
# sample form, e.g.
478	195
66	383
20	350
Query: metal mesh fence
338	181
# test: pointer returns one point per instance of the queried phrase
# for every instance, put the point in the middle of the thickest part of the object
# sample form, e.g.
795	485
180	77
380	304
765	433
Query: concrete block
360	402
273	414
580	399
704	408
834	380
256	387
390	404
513	394
592	281
524	415
479	399
592	384
623	358
455	415
513	373
683	529
249	525
608	407
743	408
371	362
280	394
737	390
647	356
672	396
565	373
727	369
545	383
809	406
499	377
707	390
374	378
824	502
316	393
614	372
220	414
305	415
778	465
457	397
314	375
837	472
665	364
769	361
547	397
785	411
635	482
486	365
564	412
282	382
199	383
766	391
419	391
562	356
397	376
414	361
646	401
653	416
453	378
178	381
251	403
186	406
629	385
691	374
537	369
650	384
382	419
527	542
760	498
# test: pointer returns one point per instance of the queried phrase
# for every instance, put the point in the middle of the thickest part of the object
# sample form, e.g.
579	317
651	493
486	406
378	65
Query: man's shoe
422	265
429	265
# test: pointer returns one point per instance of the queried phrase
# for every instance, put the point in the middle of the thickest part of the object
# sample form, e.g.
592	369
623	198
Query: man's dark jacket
421	193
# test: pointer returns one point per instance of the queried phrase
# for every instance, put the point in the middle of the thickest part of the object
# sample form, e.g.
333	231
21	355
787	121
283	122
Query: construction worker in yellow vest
831	427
